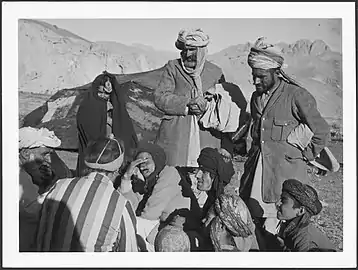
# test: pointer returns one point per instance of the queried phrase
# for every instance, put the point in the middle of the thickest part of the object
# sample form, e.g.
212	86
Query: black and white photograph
176	128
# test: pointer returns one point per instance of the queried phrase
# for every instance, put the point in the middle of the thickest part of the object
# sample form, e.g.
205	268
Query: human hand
225	154
197	105
132	168
210	93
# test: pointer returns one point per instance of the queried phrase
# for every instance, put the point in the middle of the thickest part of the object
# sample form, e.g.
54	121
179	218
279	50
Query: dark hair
112	151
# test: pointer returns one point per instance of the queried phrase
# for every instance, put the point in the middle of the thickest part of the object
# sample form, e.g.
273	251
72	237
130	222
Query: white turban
191	38
32	137
265	56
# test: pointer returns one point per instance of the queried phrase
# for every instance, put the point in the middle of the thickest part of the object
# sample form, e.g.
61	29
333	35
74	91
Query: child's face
285	210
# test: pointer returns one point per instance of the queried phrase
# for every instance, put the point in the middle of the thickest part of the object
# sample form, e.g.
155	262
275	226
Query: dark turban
304	194
210	160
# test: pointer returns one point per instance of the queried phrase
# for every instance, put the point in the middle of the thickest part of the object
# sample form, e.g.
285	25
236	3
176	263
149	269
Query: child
297	204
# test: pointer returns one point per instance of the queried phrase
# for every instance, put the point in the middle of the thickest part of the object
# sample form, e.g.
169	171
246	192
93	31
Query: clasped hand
197	106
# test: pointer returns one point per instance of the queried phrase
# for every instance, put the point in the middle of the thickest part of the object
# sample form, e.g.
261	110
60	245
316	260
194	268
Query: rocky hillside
51	58
312	64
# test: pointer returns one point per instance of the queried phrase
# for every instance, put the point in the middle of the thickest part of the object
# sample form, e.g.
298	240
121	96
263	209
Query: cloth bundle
301	136
222	113
30	137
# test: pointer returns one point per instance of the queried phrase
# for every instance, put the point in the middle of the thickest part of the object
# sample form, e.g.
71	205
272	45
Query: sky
161	33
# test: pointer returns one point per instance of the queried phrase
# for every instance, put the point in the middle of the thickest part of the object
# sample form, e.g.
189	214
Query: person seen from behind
87	214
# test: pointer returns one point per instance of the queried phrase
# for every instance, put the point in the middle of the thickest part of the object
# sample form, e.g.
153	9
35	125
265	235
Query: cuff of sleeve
307	153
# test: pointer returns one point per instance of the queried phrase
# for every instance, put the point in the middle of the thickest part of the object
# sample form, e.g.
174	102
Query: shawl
92	118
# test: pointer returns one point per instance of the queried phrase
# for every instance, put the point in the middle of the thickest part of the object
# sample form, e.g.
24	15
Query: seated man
88	214
40	167
297	204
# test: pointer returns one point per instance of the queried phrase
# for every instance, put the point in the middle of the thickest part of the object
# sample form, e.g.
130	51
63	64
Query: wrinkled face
204	179
37	162
263	80
146	168
285	210
38	153
189	57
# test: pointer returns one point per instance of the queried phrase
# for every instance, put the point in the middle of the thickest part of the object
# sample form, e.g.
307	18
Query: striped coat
86	214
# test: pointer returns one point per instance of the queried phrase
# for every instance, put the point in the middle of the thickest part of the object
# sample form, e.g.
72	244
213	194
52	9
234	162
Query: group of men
75	212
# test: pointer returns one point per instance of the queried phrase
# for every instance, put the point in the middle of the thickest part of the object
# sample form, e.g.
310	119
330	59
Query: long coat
172	96
289	106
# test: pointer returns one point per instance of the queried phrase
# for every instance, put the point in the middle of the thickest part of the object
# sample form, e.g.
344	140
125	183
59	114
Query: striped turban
267	56
191	38
304	194
264	56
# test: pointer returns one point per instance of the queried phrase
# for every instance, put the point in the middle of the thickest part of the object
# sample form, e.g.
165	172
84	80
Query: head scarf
172	239
30	137
267	56
194	38
211	160
233	216
92	115
305	195
159	159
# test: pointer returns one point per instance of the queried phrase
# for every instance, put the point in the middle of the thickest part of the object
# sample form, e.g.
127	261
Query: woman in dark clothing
102	113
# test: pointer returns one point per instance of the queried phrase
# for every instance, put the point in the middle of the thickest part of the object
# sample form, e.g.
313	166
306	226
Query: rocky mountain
311	63
51	58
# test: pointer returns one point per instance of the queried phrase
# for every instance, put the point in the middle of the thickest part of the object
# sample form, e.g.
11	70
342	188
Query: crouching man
298	203
87	213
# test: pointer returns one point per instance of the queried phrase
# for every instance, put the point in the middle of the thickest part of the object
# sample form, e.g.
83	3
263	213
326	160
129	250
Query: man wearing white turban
180	95
40	167
278	105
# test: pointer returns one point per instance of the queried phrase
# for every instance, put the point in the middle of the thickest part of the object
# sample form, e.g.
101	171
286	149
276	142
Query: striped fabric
86	214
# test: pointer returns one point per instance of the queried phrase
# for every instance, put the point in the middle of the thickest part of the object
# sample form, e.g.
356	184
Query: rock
302	47
319	47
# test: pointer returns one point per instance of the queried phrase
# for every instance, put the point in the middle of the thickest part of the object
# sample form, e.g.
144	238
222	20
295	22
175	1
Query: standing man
180	95
277	106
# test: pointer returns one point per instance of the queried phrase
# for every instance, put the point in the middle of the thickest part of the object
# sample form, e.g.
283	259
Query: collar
99	176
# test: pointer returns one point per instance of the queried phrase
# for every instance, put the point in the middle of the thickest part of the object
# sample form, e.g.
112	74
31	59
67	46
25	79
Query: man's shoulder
295	90
172	63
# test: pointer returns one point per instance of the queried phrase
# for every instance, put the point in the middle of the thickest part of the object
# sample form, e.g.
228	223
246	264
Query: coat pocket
281	128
